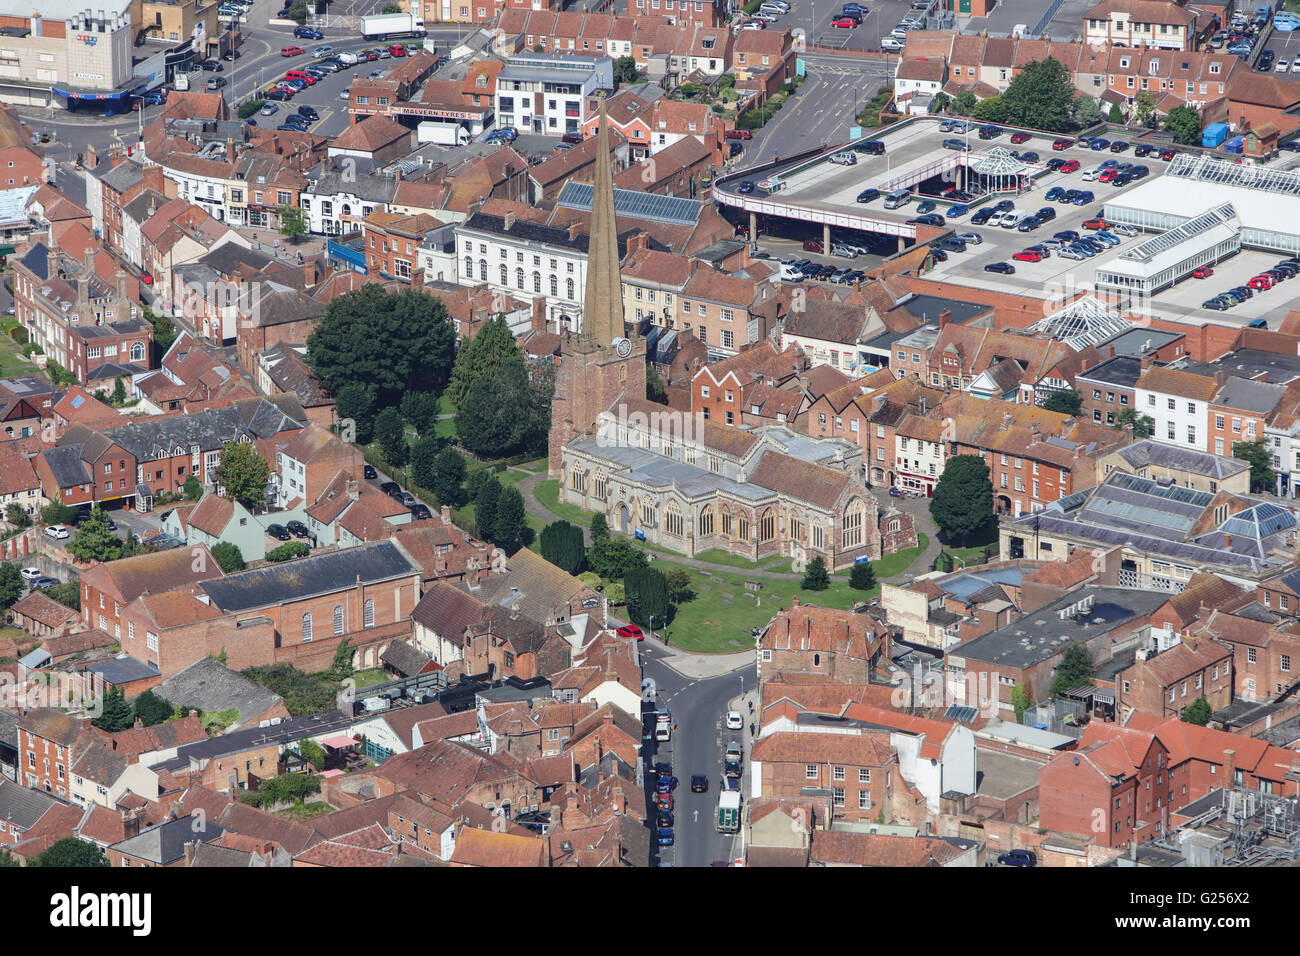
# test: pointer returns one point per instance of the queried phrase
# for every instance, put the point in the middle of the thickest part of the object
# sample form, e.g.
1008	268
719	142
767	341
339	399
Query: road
696	747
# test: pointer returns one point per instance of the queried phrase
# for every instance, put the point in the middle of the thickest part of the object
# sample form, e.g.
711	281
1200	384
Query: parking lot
1064	24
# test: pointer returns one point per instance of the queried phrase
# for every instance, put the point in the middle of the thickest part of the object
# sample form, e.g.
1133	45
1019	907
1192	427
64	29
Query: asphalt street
696	747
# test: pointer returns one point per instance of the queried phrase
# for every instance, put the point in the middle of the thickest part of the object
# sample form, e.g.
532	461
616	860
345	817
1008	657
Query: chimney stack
575	229
944	318
1229	767
230	150
189	853
353	489
445	514
509	220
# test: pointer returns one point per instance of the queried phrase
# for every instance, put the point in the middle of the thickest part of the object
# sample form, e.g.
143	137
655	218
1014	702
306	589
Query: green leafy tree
1086	111
70	852
562	545
1066	401
481	356
152	709
485	508
192	489
11	585
288	551
119	391
1022	698
448	479
1257	455
612	558
392	342
1075	669
303	693
94	540
1142	425
312	752
68	594
815	577
964	103
56	512
341	666
510	525
679	586
940	102
293	222
962	505
1144	108
862	577
599	526
242	474
390	432
420	409
17	515
625	71
1197	712
116	713
355	403
500	414
615	594
164	330
228	557
391	8
990	110
424	455
1185	123
1040	97
655	389
647	597
1115	115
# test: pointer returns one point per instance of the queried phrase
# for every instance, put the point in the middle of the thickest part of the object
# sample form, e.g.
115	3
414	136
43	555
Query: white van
774	7
846	158
1013	218
897	198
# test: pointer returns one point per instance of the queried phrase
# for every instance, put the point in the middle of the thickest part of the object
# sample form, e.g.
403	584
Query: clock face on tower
623	347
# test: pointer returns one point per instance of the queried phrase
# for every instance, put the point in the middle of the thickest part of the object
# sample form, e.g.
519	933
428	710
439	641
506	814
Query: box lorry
728	812
444	134
383	26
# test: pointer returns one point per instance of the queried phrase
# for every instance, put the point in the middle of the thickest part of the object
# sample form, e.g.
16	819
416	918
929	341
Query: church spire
602	318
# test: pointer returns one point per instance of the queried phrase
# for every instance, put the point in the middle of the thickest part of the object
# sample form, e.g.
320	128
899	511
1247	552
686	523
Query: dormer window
1214	67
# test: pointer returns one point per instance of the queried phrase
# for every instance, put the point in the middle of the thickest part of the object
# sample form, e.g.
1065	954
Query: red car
397	50
1062	143
1204	272
1019	136
630	630
1069	166
291	51
1262	283
1107	175
739	134
813	245
1097	223
846	22
1028	255
146	278
664	800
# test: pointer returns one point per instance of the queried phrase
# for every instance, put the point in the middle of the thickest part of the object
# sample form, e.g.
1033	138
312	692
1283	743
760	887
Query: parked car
57	531
1018	858
812	245
631	631
1204	272
1062	143
1097	223
308	33
1025	255
420	512
278	531
868	195
43	583
1069	166
1005	268
970	238
309	112
297	529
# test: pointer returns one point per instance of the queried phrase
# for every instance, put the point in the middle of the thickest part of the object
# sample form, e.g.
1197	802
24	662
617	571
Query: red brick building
858	769
106	589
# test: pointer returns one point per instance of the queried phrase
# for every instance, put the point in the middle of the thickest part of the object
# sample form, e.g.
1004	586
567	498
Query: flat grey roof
1042	635
1000	776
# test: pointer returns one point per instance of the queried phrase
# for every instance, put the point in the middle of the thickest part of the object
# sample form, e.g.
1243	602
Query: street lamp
652	626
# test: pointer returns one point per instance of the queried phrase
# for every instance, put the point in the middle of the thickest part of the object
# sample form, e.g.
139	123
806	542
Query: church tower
601	362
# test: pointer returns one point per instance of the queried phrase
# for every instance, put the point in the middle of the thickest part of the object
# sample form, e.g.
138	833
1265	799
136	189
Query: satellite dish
623	347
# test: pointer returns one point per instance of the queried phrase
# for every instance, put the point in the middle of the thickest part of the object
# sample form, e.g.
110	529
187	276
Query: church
682	482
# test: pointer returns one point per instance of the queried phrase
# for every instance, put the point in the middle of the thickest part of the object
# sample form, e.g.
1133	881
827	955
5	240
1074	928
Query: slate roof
307	577
165	843
23	807
66	466
448	610
152	438
405	658
1146	452
210	685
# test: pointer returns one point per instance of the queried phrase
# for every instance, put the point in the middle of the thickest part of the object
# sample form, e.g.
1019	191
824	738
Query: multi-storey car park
1196	210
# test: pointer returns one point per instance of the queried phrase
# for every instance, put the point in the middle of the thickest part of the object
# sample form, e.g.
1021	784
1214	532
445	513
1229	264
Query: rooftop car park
813	197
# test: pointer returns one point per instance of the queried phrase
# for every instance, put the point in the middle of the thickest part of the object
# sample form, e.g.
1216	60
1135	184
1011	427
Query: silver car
970	238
